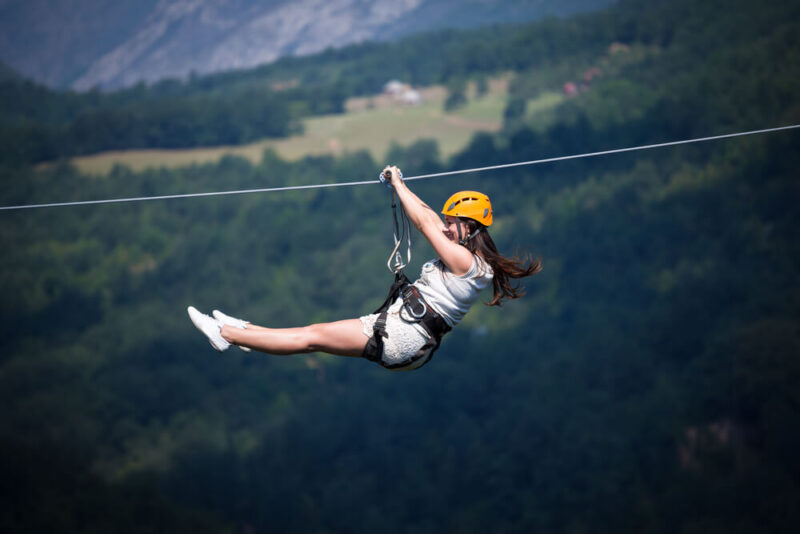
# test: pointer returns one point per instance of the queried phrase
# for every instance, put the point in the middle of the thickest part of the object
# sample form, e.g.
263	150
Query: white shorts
404	338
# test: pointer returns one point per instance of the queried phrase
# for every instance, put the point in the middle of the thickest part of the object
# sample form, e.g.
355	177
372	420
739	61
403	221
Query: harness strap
426	351
400	283
380	325
374	348
422	313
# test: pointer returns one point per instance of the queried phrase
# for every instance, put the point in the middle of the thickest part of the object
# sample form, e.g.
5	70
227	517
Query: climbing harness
416	310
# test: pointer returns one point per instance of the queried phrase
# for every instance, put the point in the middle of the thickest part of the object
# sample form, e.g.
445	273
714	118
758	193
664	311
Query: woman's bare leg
342	338
251	326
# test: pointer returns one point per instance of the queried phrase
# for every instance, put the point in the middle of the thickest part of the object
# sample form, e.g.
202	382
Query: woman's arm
456	257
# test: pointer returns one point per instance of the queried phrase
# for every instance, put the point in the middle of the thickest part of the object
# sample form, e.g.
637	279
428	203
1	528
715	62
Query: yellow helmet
471	204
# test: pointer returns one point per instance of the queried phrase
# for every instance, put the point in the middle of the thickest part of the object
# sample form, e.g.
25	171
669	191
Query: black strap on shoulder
399	284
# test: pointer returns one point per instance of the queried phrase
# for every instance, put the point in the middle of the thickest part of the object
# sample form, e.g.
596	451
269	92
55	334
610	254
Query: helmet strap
470	236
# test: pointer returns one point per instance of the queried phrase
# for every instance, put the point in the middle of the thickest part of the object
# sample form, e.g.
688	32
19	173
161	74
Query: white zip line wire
408	178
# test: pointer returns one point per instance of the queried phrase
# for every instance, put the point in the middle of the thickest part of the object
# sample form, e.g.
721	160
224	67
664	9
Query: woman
404	333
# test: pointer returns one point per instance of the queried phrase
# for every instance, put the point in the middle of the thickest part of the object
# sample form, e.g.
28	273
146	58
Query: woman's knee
314	338
341	337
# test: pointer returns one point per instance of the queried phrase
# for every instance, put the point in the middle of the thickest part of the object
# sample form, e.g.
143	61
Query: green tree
456	95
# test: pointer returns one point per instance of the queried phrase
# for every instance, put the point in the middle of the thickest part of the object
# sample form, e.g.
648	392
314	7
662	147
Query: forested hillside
648	381
83	44
38	124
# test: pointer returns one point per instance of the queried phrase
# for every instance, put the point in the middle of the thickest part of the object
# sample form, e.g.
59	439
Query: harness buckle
413	303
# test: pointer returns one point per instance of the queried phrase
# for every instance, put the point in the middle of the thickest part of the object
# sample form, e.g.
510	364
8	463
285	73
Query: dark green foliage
420	157
647	383
38	124
514	112
456	95
481	86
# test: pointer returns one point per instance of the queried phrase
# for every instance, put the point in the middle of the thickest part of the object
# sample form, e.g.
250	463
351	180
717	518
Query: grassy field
372	124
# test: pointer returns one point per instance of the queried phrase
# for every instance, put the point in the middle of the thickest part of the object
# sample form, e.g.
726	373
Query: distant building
394	87
411	97
402	92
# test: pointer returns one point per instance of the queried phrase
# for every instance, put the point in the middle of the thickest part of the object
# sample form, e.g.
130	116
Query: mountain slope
88	43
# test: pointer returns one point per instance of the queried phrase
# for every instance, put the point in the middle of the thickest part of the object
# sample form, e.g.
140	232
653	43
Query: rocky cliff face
108	44
207	36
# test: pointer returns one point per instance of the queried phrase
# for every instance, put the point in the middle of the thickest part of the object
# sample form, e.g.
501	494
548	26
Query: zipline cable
420	177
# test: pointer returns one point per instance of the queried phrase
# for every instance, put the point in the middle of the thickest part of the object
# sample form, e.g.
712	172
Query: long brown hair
504	268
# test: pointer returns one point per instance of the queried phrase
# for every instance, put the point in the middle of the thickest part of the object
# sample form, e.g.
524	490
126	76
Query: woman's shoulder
480	268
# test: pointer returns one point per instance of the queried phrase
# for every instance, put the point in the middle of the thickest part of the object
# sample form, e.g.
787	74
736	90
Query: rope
420	177
402	230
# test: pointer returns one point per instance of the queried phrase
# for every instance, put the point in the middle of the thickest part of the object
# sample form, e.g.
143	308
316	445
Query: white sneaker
232	321
228	320
210	327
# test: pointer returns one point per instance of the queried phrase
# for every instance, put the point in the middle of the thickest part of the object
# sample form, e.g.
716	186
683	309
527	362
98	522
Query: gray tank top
449	295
